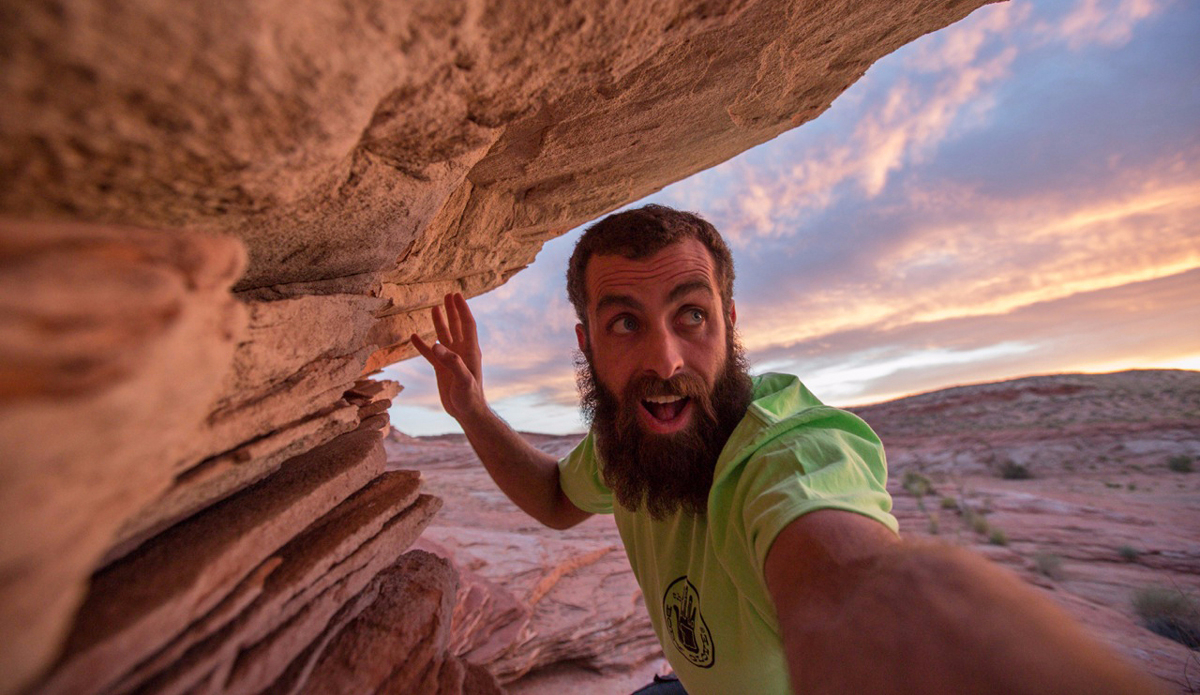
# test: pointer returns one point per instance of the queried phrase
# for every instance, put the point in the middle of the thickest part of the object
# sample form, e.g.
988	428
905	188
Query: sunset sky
1016	194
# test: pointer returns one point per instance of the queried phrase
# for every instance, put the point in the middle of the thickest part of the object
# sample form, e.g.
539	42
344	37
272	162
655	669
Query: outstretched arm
528	476
863	612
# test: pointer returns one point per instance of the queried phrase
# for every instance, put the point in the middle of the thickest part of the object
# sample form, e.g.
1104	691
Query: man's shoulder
778	397
783	409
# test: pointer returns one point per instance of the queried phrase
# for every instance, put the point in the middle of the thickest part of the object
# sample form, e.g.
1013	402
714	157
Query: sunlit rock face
220	217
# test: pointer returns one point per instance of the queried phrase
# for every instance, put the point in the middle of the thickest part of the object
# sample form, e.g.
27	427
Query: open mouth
665	410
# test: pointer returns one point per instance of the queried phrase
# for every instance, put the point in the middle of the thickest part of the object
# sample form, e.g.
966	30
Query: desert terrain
1076	483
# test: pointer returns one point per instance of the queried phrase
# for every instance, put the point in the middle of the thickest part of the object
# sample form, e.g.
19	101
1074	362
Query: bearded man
756	518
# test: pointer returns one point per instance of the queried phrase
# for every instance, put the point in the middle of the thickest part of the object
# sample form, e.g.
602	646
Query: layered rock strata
216	220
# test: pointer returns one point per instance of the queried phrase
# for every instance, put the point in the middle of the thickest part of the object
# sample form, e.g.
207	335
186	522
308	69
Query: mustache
684	385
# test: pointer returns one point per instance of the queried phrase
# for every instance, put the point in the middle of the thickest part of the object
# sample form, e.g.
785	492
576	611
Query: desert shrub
998	537
1011	470
977	521
1170	613
934	525
1128	553
949	503
917	484
1180	464
1048	564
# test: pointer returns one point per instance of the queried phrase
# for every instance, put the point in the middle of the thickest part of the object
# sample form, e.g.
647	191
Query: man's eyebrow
621	300
686	288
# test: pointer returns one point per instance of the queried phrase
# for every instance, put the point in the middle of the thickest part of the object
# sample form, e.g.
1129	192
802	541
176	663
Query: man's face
664	381
658	317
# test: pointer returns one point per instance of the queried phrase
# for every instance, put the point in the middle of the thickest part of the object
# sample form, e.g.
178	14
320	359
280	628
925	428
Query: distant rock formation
218	219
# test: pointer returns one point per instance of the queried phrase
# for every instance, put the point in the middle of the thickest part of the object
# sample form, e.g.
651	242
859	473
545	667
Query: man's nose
662	356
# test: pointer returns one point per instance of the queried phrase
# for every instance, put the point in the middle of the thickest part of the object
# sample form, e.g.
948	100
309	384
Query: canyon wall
218	220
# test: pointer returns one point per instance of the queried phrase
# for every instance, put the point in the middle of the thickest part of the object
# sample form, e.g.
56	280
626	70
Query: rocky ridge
218	221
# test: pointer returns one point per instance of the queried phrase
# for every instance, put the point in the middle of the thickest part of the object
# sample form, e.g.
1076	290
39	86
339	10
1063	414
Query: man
755	518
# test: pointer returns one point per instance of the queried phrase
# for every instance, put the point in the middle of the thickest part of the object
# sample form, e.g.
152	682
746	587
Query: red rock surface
1097	446
398	643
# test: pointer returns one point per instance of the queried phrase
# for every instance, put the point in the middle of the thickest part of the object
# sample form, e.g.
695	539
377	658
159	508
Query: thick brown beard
666	473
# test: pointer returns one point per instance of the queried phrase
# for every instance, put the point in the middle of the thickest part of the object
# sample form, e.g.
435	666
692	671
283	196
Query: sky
1016	194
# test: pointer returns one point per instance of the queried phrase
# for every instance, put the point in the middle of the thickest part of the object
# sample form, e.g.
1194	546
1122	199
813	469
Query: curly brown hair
641	233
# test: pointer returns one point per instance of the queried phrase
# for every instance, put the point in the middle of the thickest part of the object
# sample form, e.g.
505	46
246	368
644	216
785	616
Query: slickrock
410	616
219	219
1099	517
1103	514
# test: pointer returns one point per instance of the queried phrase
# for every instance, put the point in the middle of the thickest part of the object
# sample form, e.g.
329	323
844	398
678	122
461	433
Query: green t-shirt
702	578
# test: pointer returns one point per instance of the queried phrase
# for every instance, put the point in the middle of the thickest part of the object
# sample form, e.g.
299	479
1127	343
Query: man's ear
581	337
732	312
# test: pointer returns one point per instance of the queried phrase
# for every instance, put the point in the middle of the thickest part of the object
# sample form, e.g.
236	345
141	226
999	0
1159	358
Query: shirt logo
681	610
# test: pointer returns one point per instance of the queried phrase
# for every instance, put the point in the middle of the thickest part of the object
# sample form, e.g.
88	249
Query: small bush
1180	463
1170	613
949	503
1128	553
934	525
1048	564
1011	470
977	521
998	537
917	484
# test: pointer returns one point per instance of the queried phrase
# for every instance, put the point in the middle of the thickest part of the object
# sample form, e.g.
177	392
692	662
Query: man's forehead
684	261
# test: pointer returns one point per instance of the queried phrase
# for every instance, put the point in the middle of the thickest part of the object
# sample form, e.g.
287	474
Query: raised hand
456	358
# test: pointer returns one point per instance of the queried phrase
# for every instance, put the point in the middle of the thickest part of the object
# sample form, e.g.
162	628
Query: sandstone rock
95	323
315	576
314	387
470	132
215	479
179	576
530	596
370	390
398	643
297	672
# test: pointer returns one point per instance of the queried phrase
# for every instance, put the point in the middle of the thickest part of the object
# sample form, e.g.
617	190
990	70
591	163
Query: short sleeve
831	462
581	480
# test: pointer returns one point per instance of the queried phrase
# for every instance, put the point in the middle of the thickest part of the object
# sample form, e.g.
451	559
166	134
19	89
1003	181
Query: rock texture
530	596
217	220
551	611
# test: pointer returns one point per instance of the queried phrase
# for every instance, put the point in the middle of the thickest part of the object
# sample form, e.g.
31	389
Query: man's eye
693	317
624	325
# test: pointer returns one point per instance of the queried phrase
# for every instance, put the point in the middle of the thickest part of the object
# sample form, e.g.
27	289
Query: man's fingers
439	325
464	313
422	347
453	362
452	313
